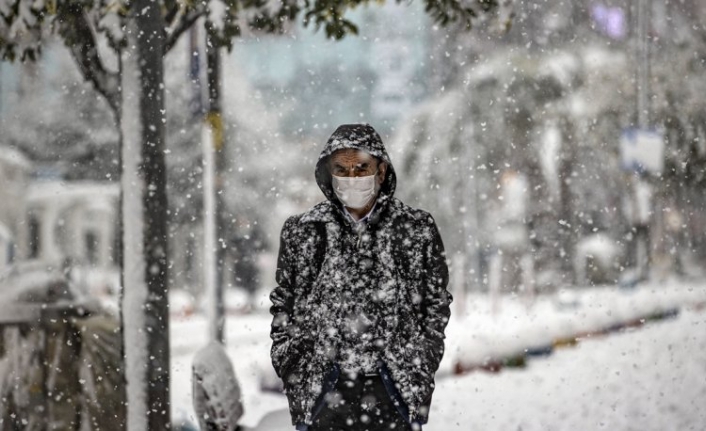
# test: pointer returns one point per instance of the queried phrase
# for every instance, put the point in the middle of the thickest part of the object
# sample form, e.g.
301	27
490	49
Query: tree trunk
144	211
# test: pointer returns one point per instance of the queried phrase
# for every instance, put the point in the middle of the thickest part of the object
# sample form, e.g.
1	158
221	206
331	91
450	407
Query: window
34	237
91	247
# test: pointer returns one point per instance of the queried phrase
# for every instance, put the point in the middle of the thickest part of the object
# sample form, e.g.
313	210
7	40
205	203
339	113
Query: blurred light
610	21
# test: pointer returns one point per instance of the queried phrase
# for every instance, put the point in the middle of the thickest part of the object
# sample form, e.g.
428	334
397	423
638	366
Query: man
361	303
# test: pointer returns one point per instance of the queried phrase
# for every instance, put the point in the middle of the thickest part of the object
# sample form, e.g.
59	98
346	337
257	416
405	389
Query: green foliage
329	15
445	12
24	22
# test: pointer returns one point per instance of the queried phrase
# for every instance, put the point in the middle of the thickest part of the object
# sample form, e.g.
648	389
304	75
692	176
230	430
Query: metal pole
644	7
209	221
470	220
212	139
1	93
643	63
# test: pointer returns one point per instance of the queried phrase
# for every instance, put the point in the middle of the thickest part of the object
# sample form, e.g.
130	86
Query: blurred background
560	148
557	142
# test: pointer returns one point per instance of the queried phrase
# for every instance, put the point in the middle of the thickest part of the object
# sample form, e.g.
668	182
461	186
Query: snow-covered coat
374	297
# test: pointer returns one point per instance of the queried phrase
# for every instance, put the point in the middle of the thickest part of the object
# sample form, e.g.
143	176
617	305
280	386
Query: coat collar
329	212
323	212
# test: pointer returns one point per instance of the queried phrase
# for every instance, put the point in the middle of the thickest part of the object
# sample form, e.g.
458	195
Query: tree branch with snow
80	39
182	21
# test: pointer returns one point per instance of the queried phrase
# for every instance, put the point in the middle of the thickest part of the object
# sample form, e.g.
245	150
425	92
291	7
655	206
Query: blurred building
50	223
14	172
74	222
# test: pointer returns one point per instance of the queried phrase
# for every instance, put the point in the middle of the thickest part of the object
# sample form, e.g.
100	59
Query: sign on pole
642	151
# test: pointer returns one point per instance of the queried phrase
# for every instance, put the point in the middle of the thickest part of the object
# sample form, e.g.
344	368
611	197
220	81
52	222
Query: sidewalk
278	420
478	341
481	340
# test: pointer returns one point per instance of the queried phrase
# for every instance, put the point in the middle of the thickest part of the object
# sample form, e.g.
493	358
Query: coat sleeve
436	299
285	350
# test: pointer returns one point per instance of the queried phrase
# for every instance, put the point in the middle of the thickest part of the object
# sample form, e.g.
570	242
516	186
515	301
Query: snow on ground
248	346
517	325
649	377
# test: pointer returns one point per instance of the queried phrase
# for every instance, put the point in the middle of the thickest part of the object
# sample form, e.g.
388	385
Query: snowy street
646	377
494	206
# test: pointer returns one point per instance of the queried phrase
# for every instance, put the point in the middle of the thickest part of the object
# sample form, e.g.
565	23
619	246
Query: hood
360	137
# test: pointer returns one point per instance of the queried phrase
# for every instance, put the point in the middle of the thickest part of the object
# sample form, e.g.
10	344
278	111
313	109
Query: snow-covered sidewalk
651	378
484	339
480	338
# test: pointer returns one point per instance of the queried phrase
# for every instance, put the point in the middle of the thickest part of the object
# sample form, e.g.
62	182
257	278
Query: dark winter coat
372	295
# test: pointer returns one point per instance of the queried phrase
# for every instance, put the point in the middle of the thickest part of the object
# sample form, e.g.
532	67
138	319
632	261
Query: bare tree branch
173	9
180	25
81	41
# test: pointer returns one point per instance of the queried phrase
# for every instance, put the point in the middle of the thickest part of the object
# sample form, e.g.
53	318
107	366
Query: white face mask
355	192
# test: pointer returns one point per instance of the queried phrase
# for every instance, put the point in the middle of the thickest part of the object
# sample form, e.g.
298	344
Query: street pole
471	274
643	63
1	94
642	82
212	139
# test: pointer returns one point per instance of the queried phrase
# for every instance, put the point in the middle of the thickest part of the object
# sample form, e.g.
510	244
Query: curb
496	365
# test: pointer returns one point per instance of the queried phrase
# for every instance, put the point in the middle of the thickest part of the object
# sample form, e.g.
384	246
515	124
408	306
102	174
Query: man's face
356	163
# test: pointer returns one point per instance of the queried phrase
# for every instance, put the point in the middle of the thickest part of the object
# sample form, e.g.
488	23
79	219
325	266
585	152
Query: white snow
217	394
614	378
247	345
652	378
13	157
181	303
217	14
600	247
564	66
548	157
112	24
136	293
551	318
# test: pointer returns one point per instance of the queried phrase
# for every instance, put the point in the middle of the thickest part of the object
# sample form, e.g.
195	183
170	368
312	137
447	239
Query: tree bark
144	208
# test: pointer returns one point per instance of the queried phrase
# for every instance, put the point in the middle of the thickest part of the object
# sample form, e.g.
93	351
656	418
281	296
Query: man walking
361	304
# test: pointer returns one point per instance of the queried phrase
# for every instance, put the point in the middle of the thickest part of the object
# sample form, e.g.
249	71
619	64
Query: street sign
642	150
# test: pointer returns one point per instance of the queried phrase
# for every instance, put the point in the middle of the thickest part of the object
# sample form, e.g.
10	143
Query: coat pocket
392	391
329	384
297	354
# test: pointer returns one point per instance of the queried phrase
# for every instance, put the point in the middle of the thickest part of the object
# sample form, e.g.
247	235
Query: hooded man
361	303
